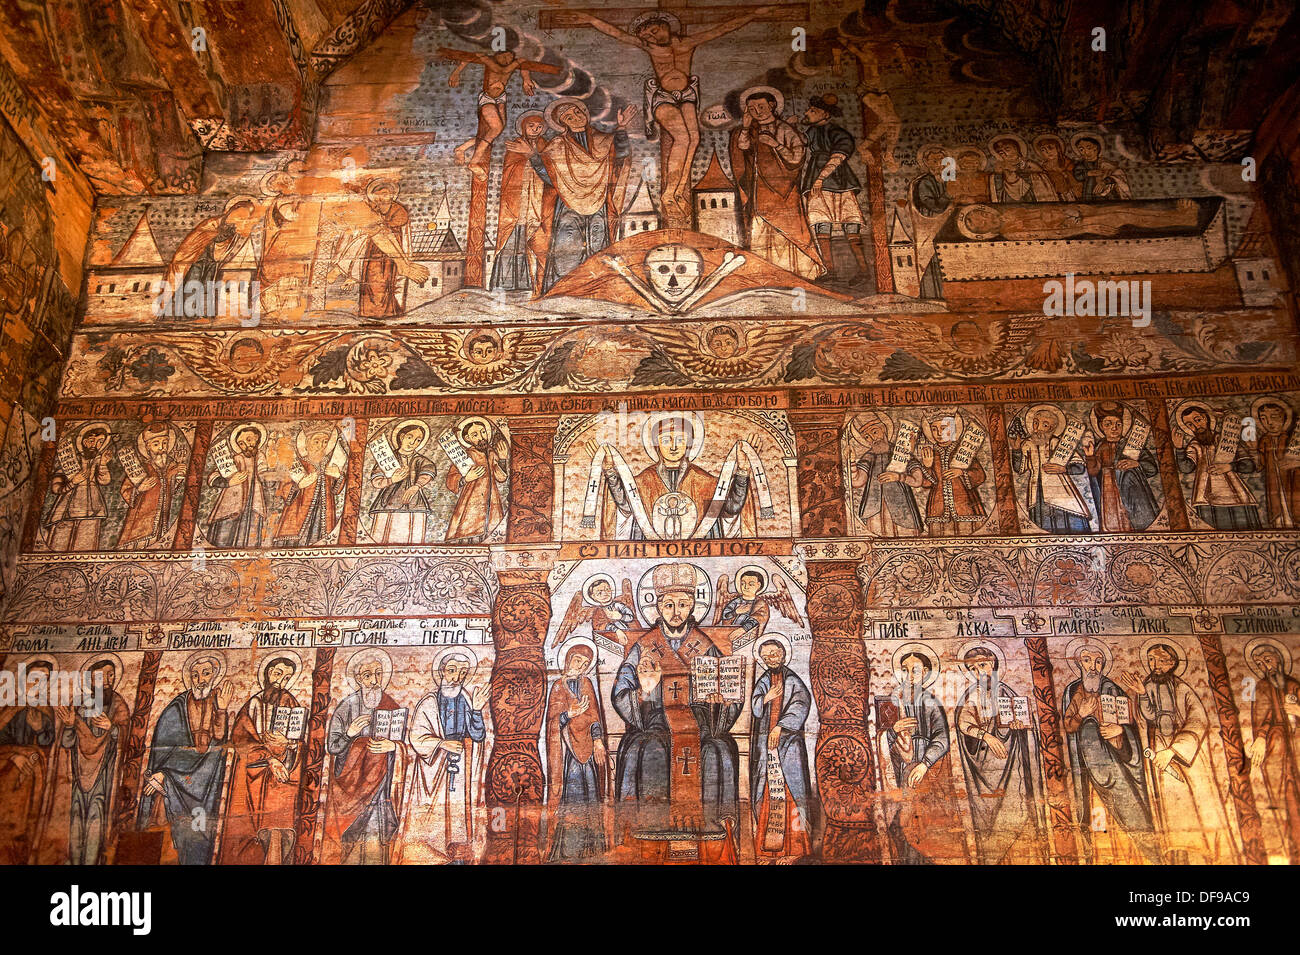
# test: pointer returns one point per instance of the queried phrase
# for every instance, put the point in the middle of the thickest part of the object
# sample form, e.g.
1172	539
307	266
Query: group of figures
678	727
120	485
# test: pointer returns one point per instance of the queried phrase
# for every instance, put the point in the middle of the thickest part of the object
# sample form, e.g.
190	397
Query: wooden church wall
494	431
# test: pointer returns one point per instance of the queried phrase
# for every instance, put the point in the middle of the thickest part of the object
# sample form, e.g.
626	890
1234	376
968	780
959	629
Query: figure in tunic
577	761
780	783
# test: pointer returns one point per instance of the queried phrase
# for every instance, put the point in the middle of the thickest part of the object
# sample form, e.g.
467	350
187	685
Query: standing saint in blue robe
187	762
779	706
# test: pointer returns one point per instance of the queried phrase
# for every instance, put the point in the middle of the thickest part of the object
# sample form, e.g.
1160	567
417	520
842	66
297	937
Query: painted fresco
733	434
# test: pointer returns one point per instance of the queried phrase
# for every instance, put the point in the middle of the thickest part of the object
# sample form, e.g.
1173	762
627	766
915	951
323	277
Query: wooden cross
685	759
688	15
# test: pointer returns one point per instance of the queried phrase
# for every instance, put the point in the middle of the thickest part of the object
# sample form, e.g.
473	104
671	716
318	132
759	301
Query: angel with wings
595	605
749	607
479	357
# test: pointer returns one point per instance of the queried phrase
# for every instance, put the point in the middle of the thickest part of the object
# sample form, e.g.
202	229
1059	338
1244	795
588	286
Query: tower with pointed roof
715	210
902	259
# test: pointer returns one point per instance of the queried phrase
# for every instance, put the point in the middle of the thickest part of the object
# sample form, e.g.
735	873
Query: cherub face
601	593
723	343
749	585
485	350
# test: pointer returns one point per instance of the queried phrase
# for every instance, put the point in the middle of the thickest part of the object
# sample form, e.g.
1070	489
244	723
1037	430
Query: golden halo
1054	411
1248	651
921	649
196	656
364	655
1079	643
1176	419
397	429
239	428
573	643
1180	655
649	431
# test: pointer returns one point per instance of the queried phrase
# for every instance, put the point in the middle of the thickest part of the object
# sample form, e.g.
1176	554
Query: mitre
674	577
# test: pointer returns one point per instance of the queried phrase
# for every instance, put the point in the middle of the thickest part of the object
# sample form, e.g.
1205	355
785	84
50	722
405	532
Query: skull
674	271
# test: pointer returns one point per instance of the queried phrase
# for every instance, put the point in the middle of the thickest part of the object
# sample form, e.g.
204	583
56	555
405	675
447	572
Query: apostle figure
87	772
1119	479
953	507
1106	757
931	207
187	760
368	772
780	787
1098	178
672	441
766	156
1219	496
259	821
76	518
479	507
1052	499
402	509
151	503
214	243
584	170
521	240
444	816
830	189
1189	806
239	515
1279	469
577	761
999	757
26	735
1058	167
311	507
1273	713
887	499
379	252
1017	178
925	828
677	763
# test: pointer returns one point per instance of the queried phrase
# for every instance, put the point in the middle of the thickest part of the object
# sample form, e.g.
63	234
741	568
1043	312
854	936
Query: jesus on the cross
672	95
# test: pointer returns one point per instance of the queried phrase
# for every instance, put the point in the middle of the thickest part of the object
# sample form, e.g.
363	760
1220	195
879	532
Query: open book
725	675
388	724
289	721
1014	709
1116	709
